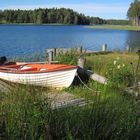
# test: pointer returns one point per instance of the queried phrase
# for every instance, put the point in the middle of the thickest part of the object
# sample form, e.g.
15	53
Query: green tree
1	16
52	15
134	13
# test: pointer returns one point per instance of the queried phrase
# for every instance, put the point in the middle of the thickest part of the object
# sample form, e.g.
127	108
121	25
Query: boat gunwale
16	71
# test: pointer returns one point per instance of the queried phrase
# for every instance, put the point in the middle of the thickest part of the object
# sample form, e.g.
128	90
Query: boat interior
35	67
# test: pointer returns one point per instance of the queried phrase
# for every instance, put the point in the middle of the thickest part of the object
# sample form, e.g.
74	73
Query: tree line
52	15
134	13
44	16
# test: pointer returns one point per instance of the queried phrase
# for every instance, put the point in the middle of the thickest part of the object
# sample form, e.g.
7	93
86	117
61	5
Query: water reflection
133	40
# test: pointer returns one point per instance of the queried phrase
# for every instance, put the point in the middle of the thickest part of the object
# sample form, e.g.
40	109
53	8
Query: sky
106	9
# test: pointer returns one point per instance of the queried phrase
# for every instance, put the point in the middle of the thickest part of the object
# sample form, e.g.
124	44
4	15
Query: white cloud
88	9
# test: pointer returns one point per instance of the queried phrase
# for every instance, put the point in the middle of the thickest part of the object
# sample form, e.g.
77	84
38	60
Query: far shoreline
115	27
102	26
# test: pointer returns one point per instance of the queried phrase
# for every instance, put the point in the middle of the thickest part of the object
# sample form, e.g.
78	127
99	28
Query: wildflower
118	58
118	67
123	65
115	62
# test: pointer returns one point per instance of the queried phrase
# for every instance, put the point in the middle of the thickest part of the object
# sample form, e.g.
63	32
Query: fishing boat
46	75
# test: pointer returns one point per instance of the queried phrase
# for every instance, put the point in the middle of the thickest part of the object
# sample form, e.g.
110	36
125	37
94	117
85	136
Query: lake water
18	40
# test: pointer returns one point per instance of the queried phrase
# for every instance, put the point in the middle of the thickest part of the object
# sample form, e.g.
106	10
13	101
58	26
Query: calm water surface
18	40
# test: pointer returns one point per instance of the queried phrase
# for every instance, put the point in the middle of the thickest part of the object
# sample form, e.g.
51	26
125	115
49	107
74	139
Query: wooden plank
132	92
64	99
6	68
22	63
65	104
43	62
98	78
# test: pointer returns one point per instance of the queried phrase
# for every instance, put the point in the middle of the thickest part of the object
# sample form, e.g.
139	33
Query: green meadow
116	27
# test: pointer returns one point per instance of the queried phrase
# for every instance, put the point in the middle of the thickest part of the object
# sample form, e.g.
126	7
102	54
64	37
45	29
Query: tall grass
23	114
120	69
26	114
29	58
109	119
68	57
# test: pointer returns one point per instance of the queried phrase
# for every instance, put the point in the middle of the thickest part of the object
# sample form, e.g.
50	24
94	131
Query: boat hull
57	79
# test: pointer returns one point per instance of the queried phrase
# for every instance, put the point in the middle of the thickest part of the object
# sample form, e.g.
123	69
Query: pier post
81	49
54	52
81	62
104	47
50	56
128	49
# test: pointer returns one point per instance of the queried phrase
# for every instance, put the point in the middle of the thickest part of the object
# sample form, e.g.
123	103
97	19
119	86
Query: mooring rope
86	85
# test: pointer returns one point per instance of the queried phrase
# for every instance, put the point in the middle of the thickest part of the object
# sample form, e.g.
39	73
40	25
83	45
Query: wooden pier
53	52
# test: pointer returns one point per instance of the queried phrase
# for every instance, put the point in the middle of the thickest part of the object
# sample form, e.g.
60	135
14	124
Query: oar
22	63
2	68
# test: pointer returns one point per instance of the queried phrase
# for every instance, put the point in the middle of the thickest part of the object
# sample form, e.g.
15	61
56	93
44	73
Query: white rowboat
46	75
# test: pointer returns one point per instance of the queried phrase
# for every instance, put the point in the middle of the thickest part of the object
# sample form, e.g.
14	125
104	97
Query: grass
25	112
35	57
108	119
119	68
101	63
116	27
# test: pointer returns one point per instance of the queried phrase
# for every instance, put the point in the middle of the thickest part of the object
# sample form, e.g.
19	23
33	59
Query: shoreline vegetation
115	27
25	112
104	26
